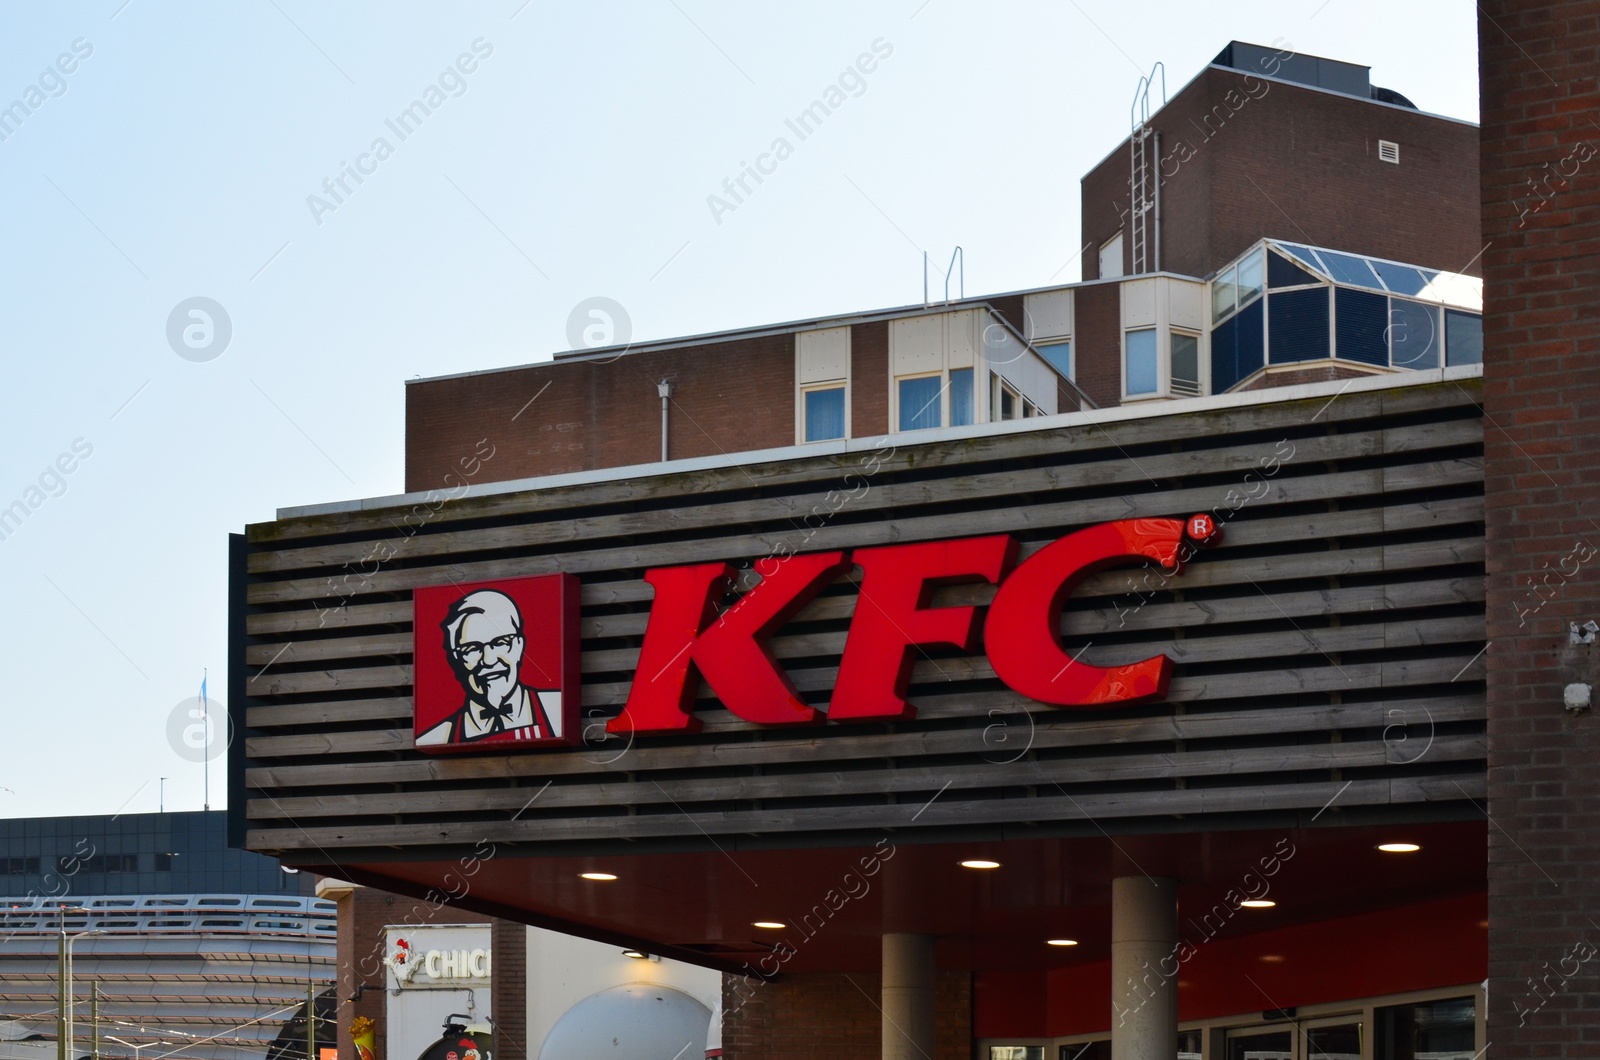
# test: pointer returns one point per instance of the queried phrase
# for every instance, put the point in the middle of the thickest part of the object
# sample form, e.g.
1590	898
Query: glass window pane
1236	348
1341	1042
921	403
824	414
1100	1050
1281	272
1224	294
1413	334
1142	375
1347	268
1361	326
1463	337
1058	354
1401	279
1436	1030
1251	280
1271	1045
1185	363
1305	254
1008	403
960	397
1297	325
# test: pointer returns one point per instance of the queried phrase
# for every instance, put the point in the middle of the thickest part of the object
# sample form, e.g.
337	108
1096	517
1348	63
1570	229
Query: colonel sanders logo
496	664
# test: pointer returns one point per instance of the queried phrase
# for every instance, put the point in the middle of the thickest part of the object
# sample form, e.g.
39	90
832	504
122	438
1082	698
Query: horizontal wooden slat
1048	805
1193	649
1278	491
1002	709
1409	728
1119	611
1249	531
1234	461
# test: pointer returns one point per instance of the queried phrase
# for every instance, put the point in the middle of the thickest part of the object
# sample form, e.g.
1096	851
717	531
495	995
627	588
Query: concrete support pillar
1144	998
907	1002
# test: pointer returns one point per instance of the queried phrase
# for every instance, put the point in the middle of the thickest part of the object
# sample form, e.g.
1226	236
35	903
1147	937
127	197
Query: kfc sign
481	683
496	664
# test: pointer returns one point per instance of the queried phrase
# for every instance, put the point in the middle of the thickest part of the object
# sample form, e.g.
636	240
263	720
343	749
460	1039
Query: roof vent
1388	151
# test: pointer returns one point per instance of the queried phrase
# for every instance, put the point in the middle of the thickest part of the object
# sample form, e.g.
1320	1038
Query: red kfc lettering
729	651
1023	634
892	618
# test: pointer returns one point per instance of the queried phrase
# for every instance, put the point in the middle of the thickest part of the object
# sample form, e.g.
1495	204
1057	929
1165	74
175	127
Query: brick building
775	743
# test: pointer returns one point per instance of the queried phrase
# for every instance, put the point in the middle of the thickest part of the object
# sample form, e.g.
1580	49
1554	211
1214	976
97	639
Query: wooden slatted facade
1329	650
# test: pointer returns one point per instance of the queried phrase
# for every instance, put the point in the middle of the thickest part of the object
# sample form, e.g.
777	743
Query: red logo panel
496	664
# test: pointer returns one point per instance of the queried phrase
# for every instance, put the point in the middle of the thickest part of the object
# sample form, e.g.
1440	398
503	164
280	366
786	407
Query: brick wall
552	418
508	942
1541	216
1097	352
869	380
1243	158
804	1017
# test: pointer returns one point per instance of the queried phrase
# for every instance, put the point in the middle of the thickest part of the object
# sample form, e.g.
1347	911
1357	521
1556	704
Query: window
1185	363
1439	1030
1251	279
1100	1050
1007	402
961	403
921	402
26	866
1059	354
824	413
1297	322
1463	337
1334	1041
1238	348
68	864
1224	294
1260	1045
1142	375
1413	334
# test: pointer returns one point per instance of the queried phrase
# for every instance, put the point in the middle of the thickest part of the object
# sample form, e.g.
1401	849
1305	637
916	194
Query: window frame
1159	391
943	375
807	389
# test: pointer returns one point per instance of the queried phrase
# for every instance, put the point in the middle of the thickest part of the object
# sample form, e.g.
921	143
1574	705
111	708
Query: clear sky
167	151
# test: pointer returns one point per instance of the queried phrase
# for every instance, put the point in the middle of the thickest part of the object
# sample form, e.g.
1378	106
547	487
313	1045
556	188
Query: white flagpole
205	722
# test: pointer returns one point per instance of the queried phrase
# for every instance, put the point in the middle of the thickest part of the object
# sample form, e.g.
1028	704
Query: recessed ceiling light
637	955
1258	903
979	863
1061	942
598	876
1399	848
769	925
1272	958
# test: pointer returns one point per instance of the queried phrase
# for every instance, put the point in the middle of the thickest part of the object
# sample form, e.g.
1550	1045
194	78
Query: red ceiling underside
997	920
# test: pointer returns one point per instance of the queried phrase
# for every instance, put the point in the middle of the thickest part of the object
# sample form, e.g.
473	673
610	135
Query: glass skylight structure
1285	303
